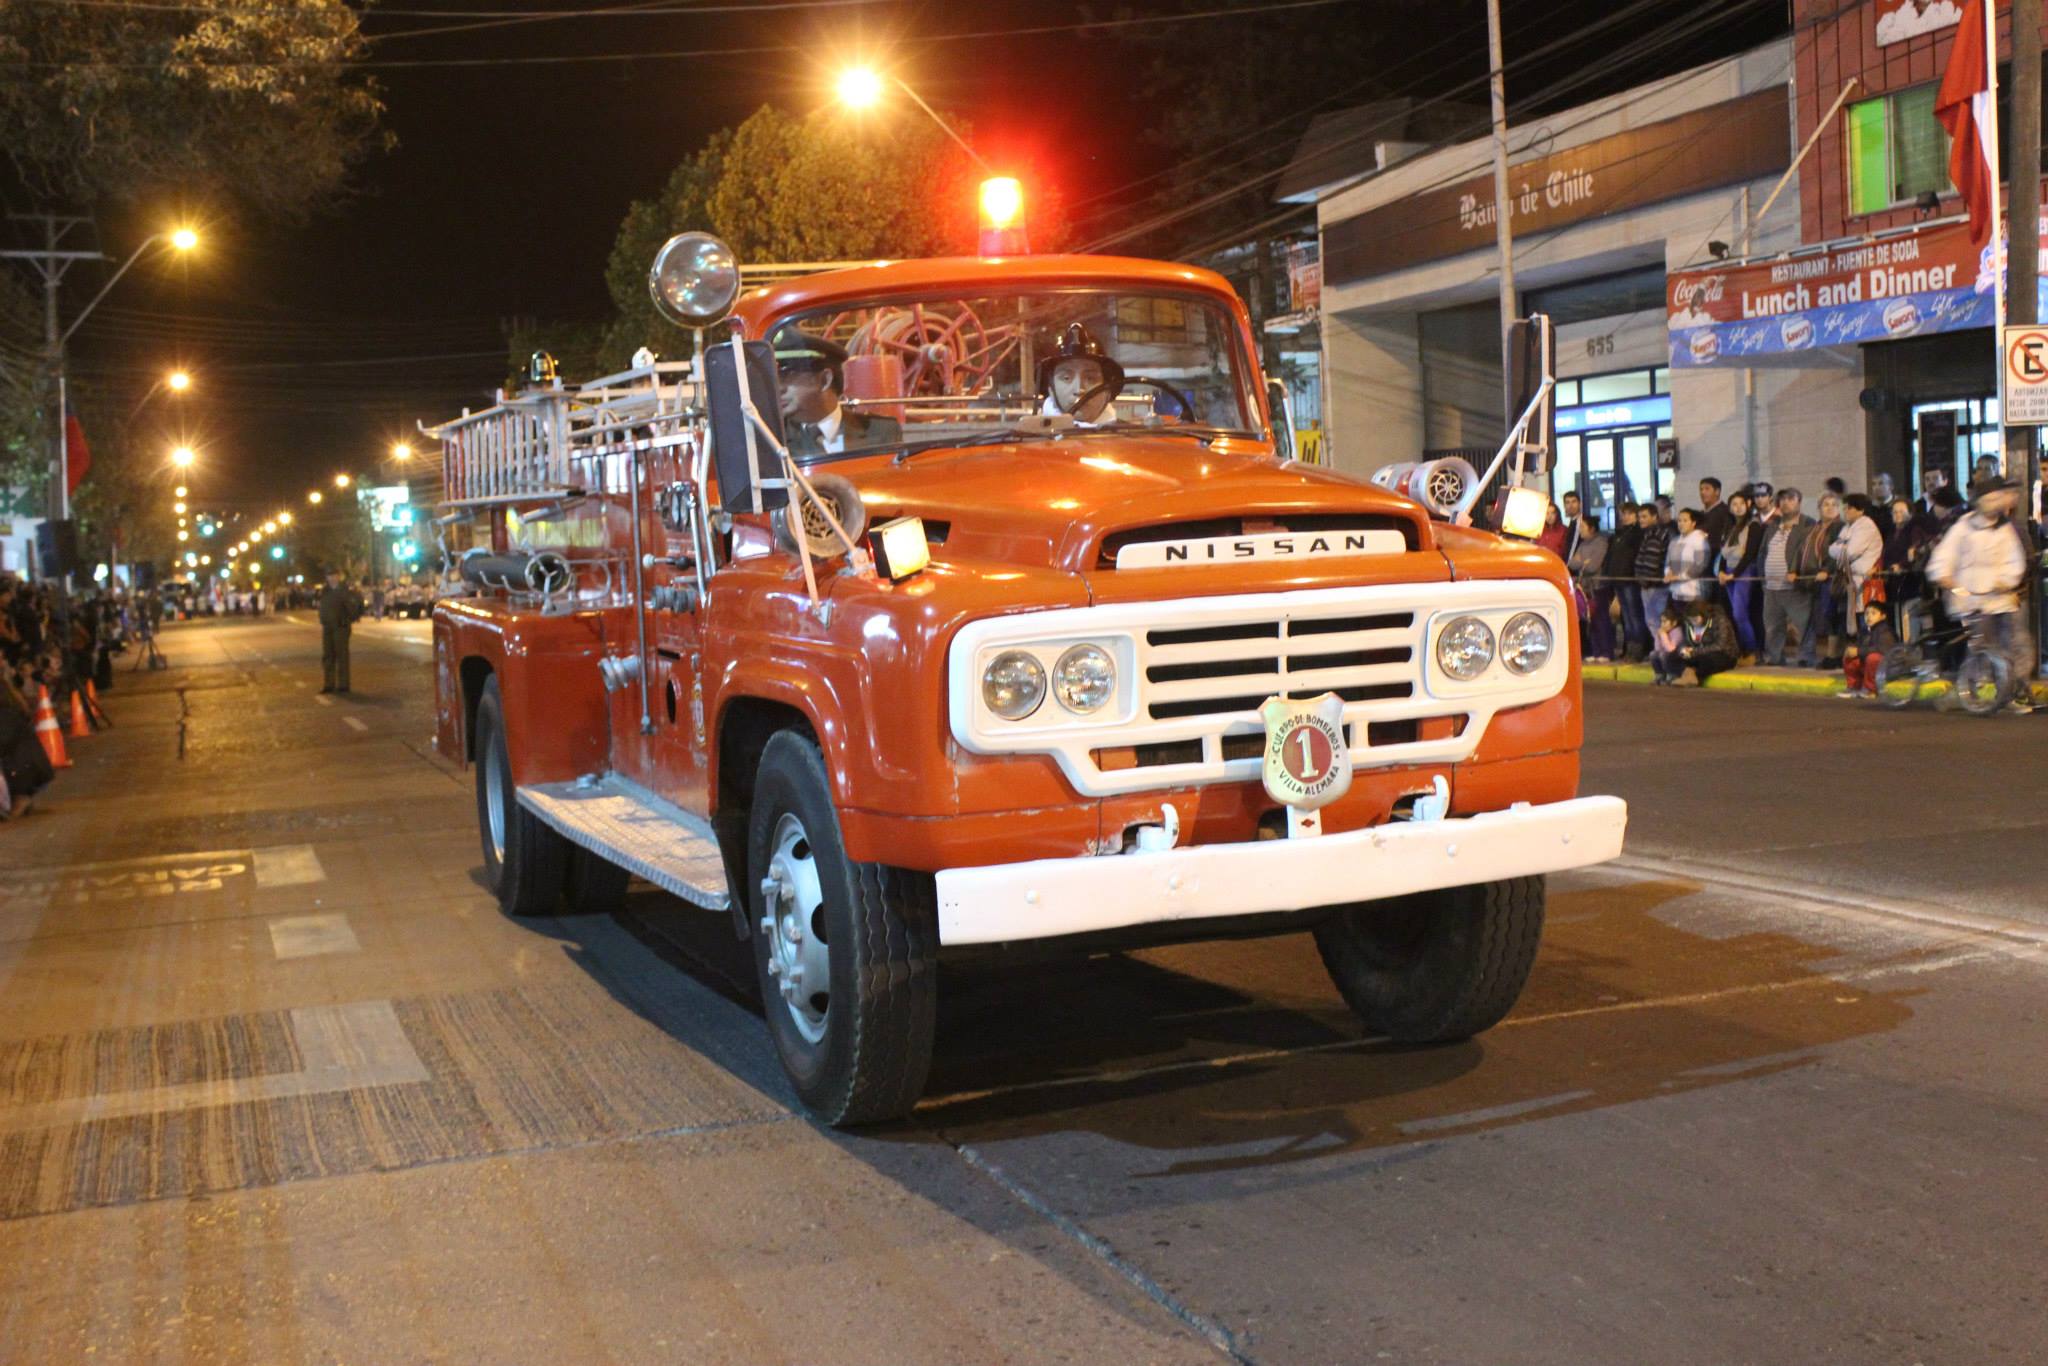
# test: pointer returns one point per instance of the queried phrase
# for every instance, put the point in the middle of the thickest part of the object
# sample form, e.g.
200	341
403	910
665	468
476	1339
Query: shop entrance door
1620	467
1951	434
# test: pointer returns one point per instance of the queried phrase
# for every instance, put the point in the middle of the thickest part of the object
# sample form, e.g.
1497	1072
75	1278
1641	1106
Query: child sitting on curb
1861	660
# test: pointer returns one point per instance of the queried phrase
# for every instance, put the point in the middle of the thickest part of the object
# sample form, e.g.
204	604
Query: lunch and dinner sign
1868	290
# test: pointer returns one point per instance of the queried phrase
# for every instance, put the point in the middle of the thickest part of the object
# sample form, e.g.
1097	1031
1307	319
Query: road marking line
323	699
343	1048
288	865
1491	1113
355	723
305	936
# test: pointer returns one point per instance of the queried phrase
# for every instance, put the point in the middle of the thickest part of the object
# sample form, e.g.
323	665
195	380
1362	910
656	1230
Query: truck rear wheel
523	855
846	953
1435	966
592	884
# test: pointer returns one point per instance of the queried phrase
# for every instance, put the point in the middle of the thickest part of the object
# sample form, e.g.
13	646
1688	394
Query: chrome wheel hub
792	926
494	803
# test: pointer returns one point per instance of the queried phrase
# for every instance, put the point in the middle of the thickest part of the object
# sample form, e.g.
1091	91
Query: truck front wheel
846	953
523	855
1435	966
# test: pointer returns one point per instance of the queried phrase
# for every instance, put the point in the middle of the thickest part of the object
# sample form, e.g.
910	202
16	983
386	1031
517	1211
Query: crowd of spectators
54	644
1757	578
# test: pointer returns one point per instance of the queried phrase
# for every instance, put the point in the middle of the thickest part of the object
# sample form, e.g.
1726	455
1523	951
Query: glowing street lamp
862	87
401	451
184	239
178	492
270	528
183	457
178	507
184	535
341	481
178	381
314	496
284	519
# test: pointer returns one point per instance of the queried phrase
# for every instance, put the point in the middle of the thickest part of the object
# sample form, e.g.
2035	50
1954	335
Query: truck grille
1229	670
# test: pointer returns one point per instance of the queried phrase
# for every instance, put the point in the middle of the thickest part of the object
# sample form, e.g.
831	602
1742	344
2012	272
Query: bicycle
1982	681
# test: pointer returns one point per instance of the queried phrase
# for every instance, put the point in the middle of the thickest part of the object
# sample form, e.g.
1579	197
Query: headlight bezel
1464	622
1018	656
1507	656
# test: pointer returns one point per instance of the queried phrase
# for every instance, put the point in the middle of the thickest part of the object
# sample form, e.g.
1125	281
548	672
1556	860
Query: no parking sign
2026	374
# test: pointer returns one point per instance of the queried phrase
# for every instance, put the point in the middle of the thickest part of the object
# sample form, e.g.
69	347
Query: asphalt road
278	1083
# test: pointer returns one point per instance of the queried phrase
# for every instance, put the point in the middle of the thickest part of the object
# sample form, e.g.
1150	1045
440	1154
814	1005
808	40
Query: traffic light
1002	217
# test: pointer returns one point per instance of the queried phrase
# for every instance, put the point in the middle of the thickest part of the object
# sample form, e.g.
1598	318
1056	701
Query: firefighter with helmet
1080	378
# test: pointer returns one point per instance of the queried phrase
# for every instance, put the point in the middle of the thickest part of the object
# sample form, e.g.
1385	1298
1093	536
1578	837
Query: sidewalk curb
1805	683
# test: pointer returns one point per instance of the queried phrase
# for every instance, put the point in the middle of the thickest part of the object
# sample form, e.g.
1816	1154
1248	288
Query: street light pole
1502	205
52	262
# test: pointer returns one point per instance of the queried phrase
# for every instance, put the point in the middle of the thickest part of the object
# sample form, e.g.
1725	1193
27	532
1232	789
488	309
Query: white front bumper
1073	895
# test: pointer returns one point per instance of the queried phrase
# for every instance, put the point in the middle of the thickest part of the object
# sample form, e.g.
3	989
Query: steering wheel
1118	386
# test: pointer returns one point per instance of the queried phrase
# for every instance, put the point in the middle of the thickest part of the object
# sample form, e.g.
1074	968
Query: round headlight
1085	678
1525	643
1013	685
1464	648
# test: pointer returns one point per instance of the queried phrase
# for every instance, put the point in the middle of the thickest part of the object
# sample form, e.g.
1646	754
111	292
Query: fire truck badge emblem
1308	765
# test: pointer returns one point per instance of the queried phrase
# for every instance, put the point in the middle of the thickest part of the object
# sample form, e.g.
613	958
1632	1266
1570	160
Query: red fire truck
967	602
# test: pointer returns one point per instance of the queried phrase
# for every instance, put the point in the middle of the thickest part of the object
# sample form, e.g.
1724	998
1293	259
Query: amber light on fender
900	548
1523	515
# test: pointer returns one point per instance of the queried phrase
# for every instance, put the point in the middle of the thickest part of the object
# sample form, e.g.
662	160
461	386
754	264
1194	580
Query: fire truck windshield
935	370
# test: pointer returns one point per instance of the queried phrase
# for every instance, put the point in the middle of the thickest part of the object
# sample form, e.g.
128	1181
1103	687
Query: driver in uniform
1080	378
813	375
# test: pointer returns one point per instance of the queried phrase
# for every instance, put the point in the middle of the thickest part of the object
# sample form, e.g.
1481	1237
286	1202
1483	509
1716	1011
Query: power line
751	50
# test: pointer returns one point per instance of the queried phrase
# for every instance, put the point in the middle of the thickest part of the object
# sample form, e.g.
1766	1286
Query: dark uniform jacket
857	432
339	607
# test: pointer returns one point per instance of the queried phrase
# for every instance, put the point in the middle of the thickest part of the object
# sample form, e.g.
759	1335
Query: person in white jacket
1687	559
1981	563
1856	549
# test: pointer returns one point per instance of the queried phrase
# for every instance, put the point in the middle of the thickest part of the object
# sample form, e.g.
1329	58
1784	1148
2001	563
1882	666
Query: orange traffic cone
50	733
93	710
80	727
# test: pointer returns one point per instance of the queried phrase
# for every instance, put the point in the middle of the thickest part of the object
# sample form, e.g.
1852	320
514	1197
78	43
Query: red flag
1964	107
77	455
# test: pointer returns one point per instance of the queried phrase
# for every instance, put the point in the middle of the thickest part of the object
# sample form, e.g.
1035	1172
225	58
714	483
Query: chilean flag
77	455
1964	106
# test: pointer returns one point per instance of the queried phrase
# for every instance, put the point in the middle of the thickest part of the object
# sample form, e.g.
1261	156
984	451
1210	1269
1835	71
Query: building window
1897	151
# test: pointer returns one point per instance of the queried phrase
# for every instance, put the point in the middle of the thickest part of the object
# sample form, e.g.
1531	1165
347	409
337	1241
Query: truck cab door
678	752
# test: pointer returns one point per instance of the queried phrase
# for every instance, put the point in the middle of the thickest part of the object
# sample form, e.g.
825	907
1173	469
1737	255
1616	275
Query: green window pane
1919	145
1870	187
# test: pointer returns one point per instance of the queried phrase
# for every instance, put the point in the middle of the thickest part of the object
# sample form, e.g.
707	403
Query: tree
23	456
214	99
817	187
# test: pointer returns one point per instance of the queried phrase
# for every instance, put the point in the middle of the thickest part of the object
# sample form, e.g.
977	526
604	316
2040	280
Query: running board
649	837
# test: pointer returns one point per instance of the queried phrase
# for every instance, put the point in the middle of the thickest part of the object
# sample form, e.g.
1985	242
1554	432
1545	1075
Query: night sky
317	345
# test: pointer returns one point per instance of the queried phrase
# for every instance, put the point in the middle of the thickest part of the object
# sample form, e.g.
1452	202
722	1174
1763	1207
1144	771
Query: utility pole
51	261
2023	224
1502	207
2022	303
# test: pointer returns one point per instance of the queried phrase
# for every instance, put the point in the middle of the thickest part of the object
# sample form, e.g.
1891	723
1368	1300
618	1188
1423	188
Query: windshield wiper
1203	434
1003	437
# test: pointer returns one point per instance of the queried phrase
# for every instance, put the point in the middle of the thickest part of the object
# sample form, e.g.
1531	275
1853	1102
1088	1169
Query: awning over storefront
1910	283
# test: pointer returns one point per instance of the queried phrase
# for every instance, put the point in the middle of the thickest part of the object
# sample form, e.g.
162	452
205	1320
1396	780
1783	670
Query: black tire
881	925
527	873
1899	676
592	884
1435	966
1984	683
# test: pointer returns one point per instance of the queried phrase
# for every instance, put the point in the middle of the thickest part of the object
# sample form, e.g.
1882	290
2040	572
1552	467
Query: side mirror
742	455
1281	405
1532	358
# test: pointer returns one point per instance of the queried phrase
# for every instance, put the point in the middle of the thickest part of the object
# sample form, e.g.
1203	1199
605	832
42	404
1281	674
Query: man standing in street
340	606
